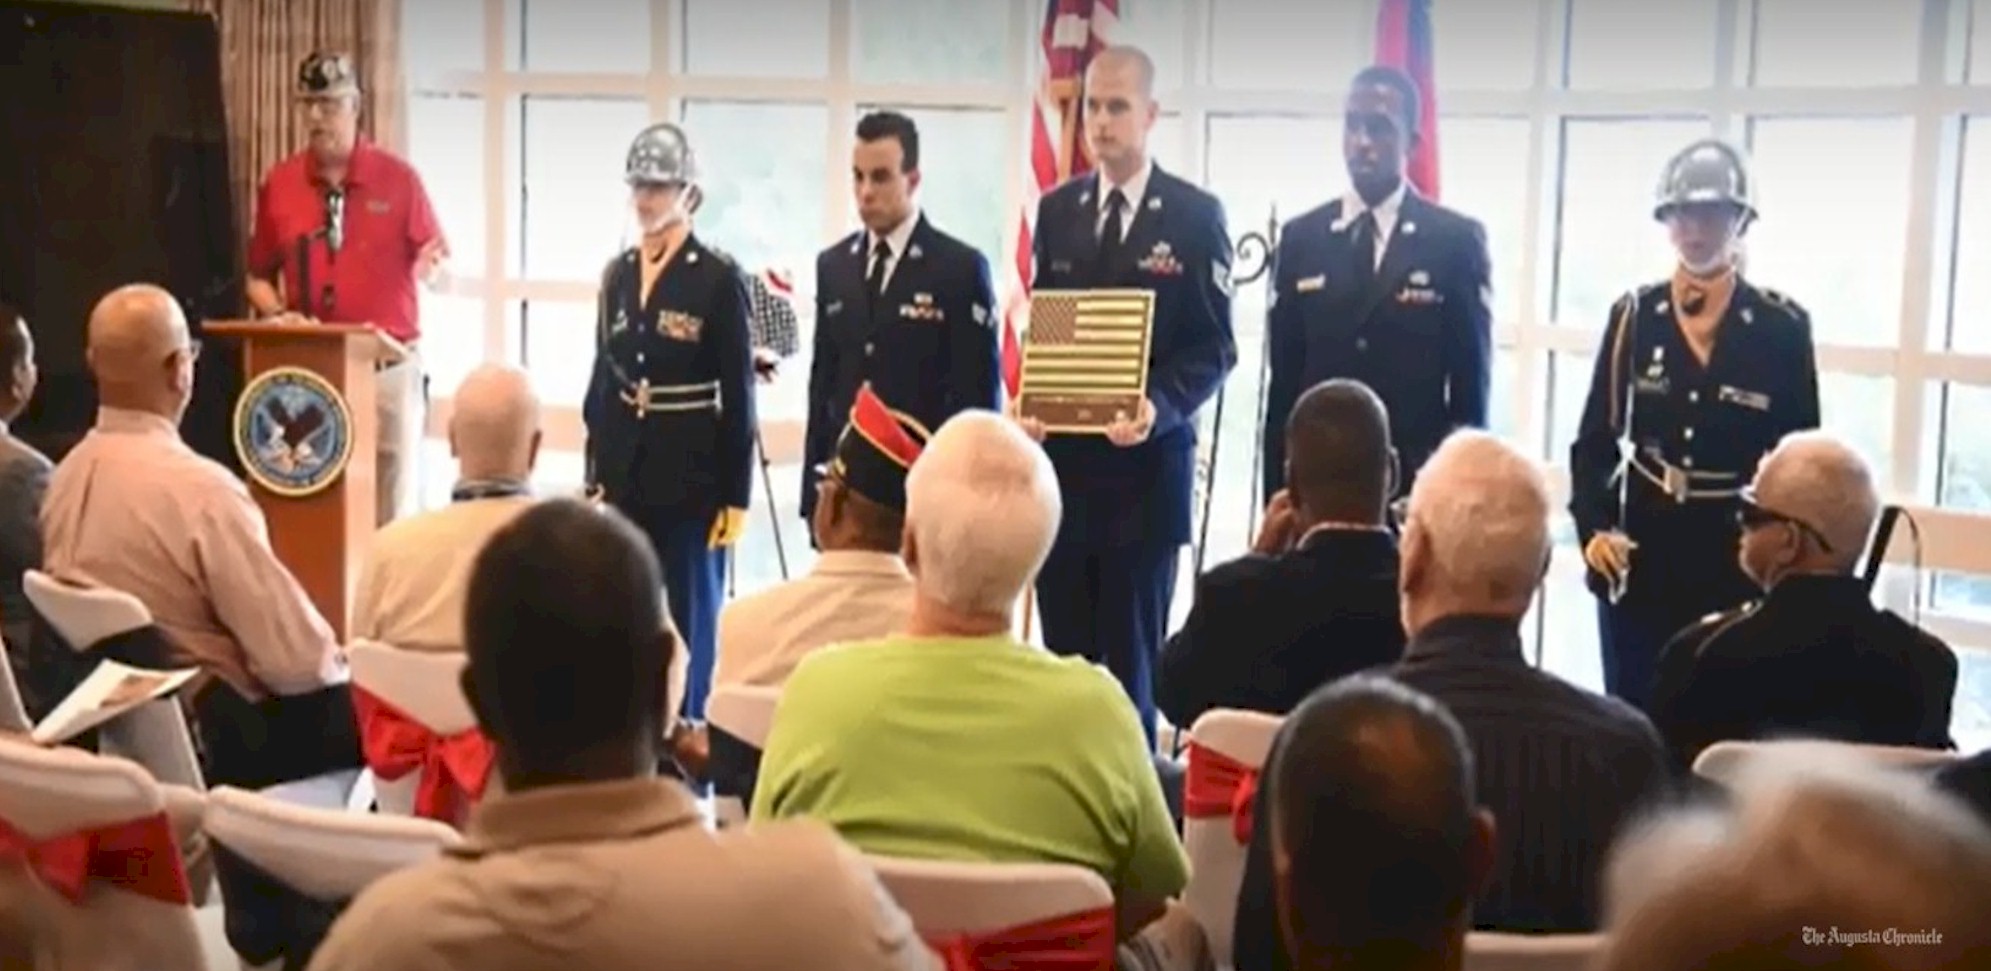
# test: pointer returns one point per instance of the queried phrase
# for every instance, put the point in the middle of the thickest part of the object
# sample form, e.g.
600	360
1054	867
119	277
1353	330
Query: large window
1868	124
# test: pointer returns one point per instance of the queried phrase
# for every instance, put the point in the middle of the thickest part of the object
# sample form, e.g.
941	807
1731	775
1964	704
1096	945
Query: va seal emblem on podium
293	432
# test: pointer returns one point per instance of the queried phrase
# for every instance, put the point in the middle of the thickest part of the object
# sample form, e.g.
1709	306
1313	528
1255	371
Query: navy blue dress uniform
927	343
1416	328
670	412
1104	593
1667	443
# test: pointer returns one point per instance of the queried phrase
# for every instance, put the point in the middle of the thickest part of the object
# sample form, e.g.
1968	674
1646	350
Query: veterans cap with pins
876	450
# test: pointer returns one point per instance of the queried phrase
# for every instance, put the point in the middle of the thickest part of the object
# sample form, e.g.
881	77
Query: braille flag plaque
1085	358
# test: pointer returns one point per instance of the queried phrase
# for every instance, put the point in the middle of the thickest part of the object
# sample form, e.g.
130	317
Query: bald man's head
140	351
1815	503
494	427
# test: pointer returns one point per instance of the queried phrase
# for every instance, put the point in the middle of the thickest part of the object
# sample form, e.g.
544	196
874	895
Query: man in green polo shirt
956	741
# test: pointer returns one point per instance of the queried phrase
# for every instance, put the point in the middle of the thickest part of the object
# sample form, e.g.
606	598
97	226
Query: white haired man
1813	657
1820	865
411	588
957	741
1560	767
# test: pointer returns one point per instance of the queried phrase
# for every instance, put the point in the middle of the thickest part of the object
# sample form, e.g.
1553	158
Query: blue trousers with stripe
695	583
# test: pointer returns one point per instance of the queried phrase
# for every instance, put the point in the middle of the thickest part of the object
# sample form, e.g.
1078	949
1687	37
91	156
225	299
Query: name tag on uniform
835	307
1420	296
1652	384
679	326
1310	284
1747	399
1061	266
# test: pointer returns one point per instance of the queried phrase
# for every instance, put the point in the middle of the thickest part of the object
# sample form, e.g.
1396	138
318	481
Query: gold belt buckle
642	402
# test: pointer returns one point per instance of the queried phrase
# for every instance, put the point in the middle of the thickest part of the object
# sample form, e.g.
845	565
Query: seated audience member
1316	598
1378	846
23	480
859	588
1561	768
956	741
1813	658
133	508
1820	865
410	591
588	860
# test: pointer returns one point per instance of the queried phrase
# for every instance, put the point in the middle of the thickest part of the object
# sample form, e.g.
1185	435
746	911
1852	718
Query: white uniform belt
1686	485
647	398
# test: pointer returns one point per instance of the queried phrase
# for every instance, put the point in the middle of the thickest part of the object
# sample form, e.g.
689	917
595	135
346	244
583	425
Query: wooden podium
312	472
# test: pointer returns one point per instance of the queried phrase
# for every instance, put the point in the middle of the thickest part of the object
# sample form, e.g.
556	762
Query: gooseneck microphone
335	219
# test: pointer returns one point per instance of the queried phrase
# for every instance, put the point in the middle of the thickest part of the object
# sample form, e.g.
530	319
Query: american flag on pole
1403	41
1089	341
1074	31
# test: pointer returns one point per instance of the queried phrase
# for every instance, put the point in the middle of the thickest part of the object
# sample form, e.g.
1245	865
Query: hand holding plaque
1085	362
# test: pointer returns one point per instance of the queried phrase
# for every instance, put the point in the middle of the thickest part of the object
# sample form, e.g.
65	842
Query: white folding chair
426	686
1531	952
1725	762
746	713
1216	858
946	899
154	734
46	793
13	714
326	855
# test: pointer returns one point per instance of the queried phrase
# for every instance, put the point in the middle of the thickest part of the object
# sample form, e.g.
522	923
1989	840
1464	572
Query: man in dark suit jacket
1383	286
1105	591
1316	598
1814	657
899	304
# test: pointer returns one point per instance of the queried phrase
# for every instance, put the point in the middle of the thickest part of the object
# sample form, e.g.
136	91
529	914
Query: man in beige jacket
587	860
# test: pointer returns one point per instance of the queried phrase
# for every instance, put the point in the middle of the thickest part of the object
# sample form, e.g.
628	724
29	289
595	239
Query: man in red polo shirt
344	230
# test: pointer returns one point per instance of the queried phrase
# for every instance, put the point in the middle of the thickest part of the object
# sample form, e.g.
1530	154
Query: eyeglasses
1750	514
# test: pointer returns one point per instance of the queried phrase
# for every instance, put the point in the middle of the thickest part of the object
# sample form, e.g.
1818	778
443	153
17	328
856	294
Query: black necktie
874	284
1365	248
1111	237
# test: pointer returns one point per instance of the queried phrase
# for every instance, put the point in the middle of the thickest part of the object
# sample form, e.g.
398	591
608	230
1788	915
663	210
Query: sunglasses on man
1751	514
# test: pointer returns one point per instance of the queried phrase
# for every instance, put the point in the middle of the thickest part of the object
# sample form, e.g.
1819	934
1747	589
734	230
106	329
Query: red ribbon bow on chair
139	856
1075	942
1217	785
453	768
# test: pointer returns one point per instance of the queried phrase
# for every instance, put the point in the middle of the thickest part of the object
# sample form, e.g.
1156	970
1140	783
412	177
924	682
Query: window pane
1484	174
1860	409
1980	43
762	166
962	175
930	41
576	205
452	339
1168	144
1569	623
1970	719
1610	242
1639	45
560	348
1569	384
1259	163
1850	281
1965	478
1835	43
1505	415
596	37
1157	27
446	146
1282	45
441	36
732	39
1487	45
1970	321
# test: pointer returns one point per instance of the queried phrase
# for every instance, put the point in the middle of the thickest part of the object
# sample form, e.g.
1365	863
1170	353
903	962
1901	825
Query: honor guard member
1104	593
670	411
1382	286
1696	379
899	304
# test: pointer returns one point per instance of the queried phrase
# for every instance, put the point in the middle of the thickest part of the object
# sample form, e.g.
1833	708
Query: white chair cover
83	615
944	898
746	713
1724	762
1216	861
48	792
324	854
426	686
1531	952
